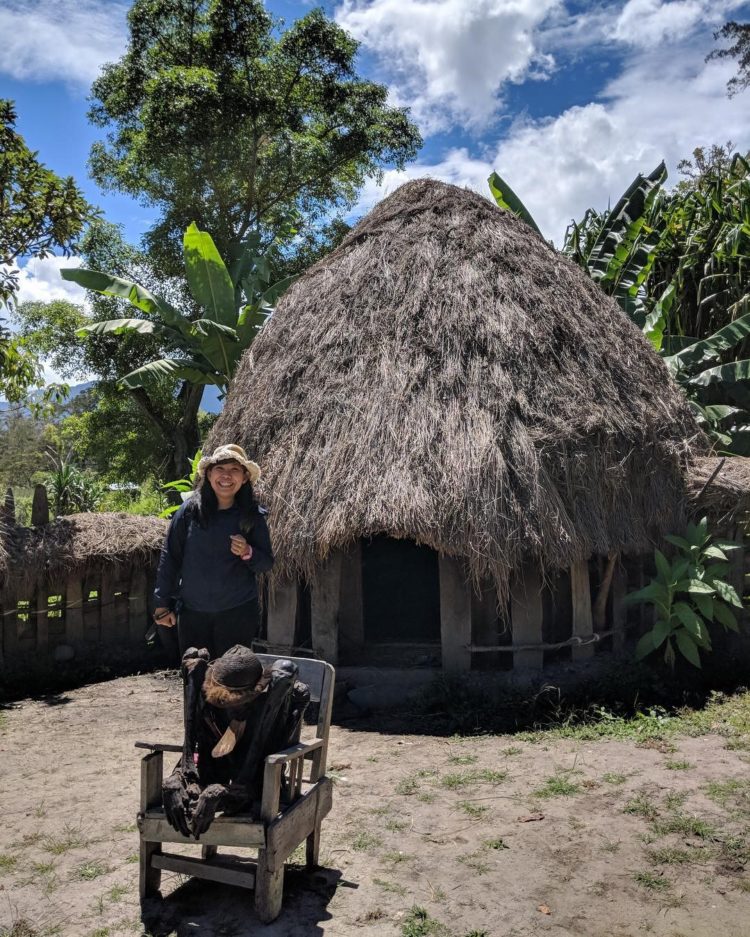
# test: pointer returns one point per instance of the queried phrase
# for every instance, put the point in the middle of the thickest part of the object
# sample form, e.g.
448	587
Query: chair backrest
319	677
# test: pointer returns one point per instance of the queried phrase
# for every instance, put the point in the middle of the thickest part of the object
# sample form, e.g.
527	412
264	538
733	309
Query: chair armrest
159	746
294	751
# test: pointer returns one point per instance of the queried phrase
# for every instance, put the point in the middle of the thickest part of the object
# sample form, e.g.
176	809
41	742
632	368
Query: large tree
40	212
738	34
217	116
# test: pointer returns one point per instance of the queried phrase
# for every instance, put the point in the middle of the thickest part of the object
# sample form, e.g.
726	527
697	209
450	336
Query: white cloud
448	59
65	40
649	23
40	281
587	155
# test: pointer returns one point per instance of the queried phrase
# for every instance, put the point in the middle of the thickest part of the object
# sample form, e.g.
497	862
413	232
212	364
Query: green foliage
689	593
182	485
739	35
617	248
39	211
216	114
205	350
71	489
506	198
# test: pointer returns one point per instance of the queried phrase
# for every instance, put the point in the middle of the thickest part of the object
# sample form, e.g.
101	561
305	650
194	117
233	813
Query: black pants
218	631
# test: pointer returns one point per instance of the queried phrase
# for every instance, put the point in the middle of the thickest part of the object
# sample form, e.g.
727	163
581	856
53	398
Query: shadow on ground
205	909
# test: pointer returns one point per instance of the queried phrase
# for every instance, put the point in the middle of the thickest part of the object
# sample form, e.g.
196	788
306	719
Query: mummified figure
235	714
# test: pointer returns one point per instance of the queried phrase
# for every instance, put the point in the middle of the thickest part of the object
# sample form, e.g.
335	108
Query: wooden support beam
619	609
40	507
351	612
526	613
325	606
42	619
455	616
282	614
583	625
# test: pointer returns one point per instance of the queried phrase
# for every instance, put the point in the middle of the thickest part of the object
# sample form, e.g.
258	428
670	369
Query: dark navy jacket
198	568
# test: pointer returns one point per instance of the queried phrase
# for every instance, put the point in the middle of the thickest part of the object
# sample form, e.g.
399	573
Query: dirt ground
499	836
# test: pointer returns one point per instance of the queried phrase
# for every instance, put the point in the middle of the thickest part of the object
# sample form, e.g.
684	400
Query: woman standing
216	544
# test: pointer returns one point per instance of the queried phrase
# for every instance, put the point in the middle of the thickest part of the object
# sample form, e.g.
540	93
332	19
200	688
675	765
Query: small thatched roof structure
82	544
446	376
720	488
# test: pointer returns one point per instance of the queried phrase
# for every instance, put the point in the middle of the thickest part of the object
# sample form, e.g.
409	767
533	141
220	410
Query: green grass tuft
557	785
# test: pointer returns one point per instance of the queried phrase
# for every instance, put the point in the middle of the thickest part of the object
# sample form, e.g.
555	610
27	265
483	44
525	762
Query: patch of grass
477	933
88	871
740	744
612	777
117	892
396	857
7	862
733	794
426	797
396	826
557	785
641	806
408	785
475	811
496	843
364	841
100	932
418	923
462	759
372	759
673	765
20	928
44	868
611	846
468	778
674	800
652	881
511	751
125	828
672	855
70	838
392	887
685	826
476	862
133	857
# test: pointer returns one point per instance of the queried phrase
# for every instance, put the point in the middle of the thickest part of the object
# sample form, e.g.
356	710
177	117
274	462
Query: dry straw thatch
80	544
720	488
446	376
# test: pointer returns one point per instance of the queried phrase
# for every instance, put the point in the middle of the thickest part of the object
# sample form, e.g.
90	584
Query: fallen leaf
530	817
544	909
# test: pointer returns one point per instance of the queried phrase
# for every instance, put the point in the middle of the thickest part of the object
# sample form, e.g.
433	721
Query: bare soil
495	836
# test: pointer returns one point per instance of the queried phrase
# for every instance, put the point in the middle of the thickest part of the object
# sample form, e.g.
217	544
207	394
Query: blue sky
567	100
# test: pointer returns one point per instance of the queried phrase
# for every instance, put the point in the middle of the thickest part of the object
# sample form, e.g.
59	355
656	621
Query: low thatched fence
75	589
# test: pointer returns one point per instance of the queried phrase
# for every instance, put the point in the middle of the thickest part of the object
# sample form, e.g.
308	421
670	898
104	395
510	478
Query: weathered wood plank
224	831
619	609
526	612
74	610
152	772
137	606
205	869
455	616
351	615
295	824
269	889
282	613
324	608
42	619
583	625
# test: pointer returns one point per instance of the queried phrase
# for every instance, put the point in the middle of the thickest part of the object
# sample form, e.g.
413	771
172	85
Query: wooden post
325	606
282	614
526	613
40	507
137	606
10	624
151	781
583	626
619	610
42	618
351	612
74	610
455	616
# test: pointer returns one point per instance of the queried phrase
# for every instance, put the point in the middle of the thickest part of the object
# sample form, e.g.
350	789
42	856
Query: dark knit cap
237	669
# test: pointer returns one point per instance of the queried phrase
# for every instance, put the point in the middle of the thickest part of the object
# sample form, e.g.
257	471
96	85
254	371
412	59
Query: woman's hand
240	547
163	616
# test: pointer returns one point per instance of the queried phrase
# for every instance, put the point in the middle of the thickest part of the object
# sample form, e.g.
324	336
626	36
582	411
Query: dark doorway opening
400	592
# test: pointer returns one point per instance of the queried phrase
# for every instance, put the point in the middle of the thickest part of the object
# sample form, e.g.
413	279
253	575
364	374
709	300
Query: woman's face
226	479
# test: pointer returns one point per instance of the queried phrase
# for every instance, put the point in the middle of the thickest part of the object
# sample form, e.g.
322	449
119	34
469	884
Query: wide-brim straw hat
227	453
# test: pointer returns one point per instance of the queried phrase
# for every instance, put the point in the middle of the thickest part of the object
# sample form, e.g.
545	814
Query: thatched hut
75	587
458	432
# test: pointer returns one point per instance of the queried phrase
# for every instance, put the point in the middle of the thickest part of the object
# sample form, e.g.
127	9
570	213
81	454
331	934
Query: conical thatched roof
445	375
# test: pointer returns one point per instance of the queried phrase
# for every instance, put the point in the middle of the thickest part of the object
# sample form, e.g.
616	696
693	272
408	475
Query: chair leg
149	877
269	890
312	847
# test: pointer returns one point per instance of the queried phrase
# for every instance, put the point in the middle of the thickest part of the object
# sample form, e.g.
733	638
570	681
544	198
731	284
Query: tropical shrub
689	594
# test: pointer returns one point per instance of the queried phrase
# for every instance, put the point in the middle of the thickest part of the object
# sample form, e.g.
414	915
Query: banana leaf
208	277
183	369
507	198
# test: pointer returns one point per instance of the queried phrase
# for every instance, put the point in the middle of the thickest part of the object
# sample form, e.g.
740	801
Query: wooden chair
276	835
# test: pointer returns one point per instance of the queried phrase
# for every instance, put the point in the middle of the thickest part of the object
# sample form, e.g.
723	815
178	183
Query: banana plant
205	350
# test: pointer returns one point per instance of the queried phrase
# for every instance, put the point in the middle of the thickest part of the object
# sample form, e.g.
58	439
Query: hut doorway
400	593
